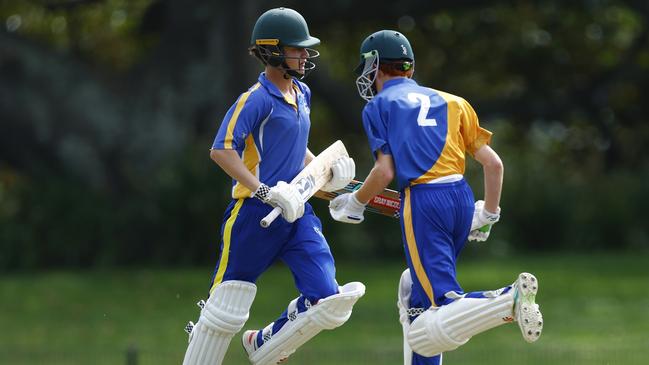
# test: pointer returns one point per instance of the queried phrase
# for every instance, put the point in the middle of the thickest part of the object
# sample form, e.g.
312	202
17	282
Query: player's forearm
374	184
379	178
493	182
309	157
231	163
493	170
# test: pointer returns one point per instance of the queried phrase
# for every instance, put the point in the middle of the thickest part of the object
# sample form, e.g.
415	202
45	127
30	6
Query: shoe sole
527	312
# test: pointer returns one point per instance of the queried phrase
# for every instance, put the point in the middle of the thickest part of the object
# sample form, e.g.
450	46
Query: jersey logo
302	103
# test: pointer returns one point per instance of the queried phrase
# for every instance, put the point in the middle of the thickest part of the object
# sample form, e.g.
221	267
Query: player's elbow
216	155
389	175
494	165
384	173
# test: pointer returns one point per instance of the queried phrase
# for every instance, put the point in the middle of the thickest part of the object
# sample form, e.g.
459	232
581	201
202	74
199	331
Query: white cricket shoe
526	311
249	342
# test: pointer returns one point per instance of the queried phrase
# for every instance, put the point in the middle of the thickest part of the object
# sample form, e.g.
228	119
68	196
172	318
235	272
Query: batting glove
347	209
285	196
482	222
343	171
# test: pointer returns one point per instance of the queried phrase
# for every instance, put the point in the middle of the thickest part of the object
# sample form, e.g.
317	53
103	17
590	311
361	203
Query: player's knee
228	307
323	290
427	337
336	309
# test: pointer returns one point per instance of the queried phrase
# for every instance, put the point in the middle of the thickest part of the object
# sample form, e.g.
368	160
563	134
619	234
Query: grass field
596	311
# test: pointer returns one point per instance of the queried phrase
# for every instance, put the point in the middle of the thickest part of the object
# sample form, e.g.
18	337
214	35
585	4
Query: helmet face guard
365	82
308	65
395	53
273	55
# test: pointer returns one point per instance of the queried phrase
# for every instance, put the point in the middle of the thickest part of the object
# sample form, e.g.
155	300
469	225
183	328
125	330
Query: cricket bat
387	203
312	177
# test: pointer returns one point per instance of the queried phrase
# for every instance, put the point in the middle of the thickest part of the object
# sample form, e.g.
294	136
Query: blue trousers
247	250
435	223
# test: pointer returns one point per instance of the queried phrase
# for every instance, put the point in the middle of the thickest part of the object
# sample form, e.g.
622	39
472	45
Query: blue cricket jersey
426	131
268	131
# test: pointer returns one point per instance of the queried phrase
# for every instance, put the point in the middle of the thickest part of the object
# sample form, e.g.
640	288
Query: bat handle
270	217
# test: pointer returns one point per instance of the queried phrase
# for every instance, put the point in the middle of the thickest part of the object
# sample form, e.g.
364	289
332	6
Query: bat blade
312	177
387	203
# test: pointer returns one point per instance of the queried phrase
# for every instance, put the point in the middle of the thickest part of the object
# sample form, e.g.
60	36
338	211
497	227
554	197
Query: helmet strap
308	65
272	55
268	55
289	72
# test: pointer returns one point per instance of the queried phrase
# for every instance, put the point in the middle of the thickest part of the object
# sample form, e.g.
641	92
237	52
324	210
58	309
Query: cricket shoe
526	311
249	342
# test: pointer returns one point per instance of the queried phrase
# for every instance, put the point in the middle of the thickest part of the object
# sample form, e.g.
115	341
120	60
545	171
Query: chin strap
274	56
289	72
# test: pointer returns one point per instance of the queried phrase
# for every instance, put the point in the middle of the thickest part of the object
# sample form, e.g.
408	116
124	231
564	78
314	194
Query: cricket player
261	144
420	136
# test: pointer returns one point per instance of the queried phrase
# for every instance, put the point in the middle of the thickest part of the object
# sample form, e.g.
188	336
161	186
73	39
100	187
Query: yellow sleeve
474	136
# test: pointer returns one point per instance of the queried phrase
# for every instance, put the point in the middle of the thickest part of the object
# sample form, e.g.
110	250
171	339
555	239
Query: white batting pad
446	328
403	303
328	313
224	314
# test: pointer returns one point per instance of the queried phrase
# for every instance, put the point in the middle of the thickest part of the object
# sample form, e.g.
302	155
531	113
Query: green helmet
390	45
278	28
384	46
282	27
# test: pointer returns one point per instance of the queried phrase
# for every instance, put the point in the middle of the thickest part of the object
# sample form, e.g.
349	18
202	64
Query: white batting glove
285	196
347	209
343	171
482	222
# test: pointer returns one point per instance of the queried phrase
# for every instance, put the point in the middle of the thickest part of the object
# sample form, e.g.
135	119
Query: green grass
596	311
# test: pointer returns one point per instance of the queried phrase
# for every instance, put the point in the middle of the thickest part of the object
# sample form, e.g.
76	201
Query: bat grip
270	217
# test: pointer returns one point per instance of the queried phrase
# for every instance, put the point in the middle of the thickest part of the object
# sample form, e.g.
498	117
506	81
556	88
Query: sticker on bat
305	186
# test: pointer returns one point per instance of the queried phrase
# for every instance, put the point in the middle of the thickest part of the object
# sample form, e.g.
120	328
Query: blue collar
272	89
397	81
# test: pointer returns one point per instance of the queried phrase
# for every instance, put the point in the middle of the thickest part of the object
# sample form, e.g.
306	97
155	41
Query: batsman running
420	136
262	144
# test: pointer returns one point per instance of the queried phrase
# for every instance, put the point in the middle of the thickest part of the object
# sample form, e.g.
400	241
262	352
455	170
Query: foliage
104	33
108	107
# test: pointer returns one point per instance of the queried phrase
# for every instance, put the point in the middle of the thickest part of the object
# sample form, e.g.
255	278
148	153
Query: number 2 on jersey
424	105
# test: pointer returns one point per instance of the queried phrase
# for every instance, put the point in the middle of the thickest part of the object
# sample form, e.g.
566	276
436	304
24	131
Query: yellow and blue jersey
269	132
427	132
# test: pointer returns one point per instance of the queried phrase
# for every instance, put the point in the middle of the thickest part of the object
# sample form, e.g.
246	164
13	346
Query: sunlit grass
595	311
